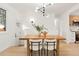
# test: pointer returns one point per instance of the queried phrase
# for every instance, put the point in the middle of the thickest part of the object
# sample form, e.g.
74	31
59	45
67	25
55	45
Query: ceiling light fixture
42	9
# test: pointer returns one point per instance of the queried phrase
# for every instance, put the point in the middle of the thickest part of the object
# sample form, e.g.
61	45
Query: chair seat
35	40
35	46
50	44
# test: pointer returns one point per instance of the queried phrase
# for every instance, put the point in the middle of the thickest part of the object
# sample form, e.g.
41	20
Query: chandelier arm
42	9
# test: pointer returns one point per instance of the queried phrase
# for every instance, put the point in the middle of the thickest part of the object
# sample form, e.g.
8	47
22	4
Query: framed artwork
2	19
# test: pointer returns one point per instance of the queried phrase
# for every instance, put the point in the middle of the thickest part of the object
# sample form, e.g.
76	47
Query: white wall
39	19
65	29
7	38
64	25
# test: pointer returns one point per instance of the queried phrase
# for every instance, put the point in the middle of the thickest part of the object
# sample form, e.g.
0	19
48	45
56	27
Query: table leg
28	48
57	46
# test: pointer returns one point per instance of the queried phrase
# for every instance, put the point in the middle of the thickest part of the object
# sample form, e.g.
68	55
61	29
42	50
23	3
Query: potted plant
39	28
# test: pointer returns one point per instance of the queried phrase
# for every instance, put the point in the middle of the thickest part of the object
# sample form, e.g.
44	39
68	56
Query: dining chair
35	47
50	47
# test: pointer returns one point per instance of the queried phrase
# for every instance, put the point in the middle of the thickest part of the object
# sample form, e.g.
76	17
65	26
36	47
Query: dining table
36	37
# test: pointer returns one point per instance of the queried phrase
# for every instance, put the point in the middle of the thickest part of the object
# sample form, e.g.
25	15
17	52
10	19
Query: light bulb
44	5
32	20
36	10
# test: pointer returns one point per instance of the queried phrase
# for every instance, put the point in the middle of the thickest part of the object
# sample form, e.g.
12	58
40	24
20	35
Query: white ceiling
57	8
76	12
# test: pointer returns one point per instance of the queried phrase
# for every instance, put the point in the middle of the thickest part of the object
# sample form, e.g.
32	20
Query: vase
44	33
40	34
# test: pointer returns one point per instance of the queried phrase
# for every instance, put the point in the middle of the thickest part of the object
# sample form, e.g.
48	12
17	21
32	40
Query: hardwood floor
14	51
70	49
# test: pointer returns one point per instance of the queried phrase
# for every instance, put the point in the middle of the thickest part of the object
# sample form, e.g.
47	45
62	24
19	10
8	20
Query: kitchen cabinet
73	20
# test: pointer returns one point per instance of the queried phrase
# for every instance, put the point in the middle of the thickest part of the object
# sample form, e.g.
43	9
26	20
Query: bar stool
35	46
50	46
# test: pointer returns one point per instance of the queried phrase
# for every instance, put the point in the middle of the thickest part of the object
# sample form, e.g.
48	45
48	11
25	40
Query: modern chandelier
42	9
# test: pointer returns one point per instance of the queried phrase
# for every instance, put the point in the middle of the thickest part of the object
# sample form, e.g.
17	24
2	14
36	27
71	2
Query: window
2	19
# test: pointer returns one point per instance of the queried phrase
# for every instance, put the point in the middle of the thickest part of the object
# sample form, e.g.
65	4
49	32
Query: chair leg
39	48
54	50
47	48
44	51
31	49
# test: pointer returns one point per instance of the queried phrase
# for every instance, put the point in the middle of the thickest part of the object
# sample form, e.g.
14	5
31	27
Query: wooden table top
25	37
